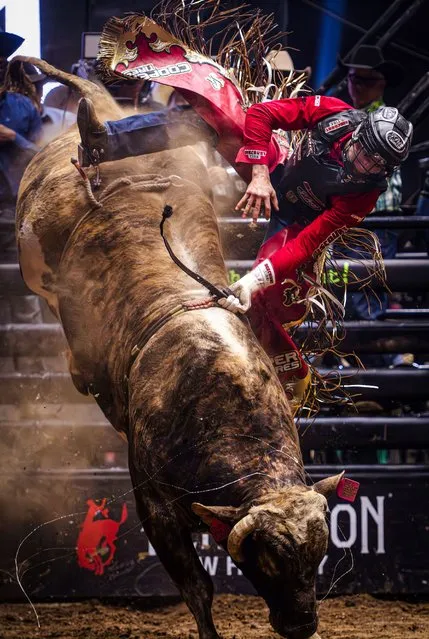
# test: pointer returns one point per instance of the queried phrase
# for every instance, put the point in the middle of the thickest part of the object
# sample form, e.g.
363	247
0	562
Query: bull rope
150	182
214	290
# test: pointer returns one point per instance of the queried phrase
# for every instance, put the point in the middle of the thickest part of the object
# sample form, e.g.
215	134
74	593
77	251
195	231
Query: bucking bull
212	442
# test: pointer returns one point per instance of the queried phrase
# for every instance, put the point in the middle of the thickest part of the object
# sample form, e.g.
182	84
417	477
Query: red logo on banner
96	542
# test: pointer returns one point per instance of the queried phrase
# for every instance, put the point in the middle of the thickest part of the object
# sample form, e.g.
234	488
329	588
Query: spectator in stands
368	76
9	43
423	199
135	94
54	120
65	98
20	126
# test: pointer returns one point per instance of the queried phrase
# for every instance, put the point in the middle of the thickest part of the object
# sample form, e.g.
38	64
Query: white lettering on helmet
395	141
390	113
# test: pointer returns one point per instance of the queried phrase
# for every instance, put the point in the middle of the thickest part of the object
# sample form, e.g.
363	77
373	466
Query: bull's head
279	544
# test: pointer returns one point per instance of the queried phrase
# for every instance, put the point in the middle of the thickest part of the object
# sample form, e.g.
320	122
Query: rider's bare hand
259	192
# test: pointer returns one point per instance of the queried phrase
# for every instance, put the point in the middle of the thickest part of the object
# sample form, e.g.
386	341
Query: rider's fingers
267	206
242	307
275	201
256	209
231	303
240	204
248	205
236	306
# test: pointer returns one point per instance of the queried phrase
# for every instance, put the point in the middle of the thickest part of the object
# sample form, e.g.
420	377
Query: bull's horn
328	485
238	534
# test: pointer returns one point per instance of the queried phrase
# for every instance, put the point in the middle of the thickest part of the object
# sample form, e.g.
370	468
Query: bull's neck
254	465
220	411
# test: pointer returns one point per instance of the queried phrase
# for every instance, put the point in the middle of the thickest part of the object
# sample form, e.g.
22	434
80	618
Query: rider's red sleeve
346	212
290	114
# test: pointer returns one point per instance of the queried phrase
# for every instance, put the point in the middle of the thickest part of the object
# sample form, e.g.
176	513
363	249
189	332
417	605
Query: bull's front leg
177	553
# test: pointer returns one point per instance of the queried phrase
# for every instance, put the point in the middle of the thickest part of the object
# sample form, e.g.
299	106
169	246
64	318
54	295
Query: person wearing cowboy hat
368	75
54	120
20	126
9	43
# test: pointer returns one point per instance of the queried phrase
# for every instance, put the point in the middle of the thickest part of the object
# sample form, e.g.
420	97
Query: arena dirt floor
237	617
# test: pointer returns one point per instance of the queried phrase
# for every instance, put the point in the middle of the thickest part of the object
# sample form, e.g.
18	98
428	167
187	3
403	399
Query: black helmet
387	133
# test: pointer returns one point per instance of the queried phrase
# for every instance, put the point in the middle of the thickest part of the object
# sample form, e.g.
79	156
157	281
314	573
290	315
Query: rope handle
87	183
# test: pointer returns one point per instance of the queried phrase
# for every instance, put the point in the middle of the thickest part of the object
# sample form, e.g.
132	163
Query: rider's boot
297	391
93	133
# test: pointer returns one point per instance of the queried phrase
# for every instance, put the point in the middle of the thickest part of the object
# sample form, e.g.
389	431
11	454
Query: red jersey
345	211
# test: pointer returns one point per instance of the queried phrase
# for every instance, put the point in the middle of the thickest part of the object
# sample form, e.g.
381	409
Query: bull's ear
227	514
328	485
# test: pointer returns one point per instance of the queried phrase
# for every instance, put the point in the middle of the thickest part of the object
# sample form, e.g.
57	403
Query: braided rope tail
216	292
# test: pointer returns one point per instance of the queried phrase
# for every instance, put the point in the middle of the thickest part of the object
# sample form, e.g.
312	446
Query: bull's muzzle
304	628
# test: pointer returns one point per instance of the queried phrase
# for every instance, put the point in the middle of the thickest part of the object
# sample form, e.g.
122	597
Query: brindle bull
205	417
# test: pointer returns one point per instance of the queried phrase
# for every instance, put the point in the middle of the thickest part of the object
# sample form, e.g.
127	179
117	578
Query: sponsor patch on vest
311	194
290	195
307	196
336	124
255	154
395	141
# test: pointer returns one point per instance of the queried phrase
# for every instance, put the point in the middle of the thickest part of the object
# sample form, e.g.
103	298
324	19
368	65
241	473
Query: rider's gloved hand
261	277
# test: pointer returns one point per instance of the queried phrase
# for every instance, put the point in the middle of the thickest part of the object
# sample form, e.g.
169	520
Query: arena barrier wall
385	530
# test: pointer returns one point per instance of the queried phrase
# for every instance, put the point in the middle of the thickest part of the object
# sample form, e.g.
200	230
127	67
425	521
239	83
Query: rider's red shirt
345	211
291	114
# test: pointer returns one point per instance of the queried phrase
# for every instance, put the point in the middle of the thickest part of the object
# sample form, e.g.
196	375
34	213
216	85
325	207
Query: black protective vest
308	179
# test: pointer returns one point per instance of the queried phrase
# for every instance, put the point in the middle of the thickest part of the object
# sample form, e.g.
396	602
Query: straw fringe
325	316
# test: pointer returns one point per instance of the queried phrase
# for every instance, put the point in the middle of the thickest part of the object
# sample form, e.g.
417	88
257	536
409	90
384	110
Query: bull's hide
211	437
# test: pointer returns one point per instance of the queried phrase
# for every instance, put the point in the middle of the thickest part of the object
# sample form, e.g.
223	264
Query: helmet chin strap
347	173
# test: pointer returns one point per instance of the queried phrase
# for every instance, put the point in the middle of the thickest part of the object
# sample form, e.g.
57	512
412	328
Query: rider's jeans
153	132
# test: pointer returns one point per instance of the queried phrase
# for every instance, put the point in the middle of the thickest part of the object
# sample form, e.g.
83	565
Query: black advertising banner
94	545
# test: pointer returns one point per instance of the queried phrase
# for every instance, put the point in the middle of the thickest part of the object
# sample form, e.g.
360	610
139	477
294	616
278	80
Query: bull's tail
85	88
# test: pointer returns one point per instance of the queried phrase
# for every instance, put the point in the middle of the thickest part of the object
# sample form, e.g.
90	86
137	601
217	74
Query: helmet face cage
378	145
360	165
